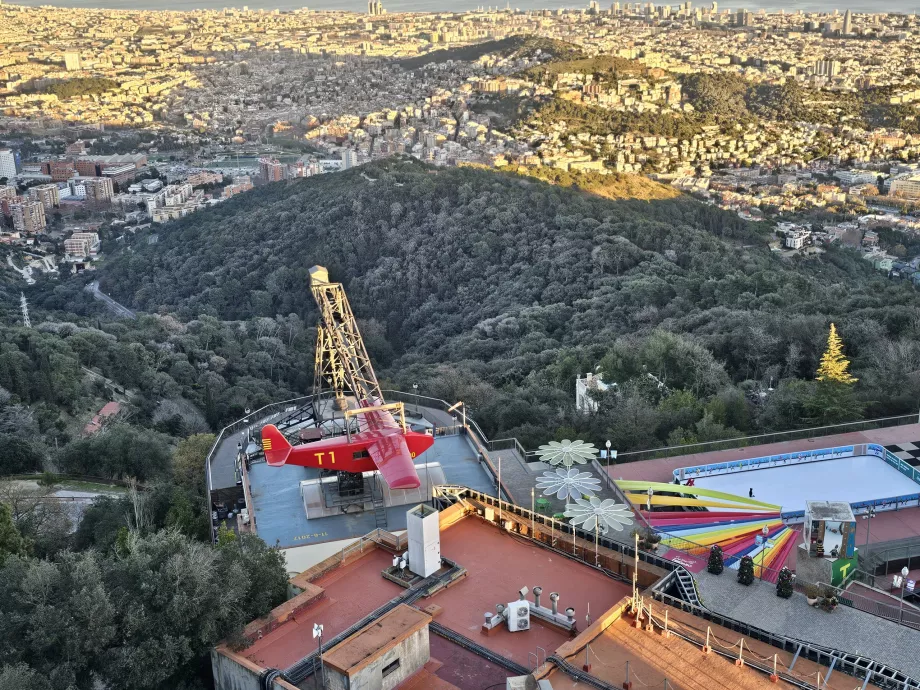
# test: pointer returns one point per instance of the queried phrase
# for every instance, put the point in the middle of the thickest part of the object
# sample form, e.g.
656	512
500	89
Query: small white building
583	400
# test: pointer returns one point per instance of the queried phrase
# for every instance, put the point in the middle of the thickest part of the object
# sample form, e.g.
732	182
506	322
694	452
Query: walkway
845	629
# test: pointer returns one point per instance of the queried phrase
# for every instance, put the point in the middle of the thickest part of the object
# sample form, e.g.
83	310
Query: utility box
424	532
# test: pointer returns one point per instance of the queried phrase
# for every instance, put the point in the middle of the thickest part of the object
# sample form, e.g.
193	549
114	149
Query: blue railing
767	460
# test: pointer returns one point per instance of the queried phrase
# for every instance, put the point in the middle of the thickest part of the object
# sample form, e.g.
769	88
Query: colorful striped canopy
715	517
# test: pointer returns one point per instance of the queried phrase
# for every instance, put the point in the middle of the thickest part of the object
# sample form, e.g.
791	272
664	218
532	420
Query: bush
746	570
118	452
716	562
784	583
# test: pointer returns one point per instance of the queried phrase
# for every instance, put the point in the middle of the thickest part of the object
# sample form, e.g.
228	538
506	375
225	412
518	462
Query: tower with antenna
25	310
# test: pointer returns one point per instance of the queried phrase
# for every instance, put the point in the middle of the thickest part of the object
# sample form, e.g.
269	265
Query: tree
188	461
11	541
90	620
716	563
20	676
784	583
746	570
834	365
834	399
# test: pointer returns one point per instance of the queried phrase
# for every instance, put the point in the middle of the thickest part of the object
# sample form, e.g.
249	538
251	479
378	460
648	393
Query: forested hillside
499	289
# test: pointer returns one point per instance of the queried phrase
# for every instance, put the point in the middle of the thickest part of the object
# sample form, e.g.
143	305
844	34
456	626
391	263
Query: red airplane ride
381	444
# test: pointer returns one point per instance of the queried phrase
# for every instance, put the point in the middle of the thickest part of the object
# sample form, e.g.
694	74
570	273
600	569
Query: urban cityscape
463	349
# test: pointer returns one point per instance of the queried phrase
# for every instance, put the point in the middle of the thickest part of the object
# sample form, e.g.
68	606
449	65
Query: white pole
532	525
499	490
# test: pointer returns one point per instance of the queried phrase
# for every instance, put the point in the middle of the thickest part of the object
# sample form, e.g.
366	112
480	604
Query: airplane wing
392	457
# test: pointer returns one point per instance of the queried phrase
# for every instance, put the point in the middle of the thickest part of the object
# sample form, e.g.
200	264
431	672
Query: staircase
380	511
687	587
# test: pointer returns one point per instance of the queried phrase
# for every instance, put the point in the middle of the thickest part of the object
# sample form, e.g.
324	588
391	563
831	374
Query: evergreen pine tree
834	399
746	570
834	365
784	583
716	563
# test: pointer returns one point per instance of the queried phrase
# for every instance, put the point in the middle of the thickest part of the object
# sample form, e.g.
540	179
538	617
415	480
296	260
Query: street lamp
904	573
651	492
763	549
608	462
415	388
868	515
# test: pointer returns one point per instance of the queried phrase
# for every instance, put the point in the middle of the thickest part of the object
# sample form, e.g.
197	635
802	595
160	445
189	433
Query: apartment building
82	245
99	189
28	217
48	194
7	164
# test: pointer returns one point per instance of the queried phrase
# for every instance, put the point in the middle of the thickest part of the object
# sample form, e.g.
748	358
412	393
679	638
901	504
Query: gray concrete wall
229	674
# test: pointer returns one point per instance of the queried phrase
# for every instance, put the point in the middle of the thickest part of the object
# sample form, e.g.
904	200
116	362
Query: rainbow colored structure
714	517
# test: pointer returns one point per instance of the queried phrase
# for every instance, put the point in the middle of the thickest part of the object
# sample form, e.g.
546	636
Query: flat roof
352	592
388	631
279	510
498	565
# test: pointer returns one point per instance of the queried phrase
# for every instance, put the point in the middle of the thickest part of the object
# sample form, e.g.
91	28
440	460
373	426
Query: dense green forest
727	98
523	46
84	603
499	289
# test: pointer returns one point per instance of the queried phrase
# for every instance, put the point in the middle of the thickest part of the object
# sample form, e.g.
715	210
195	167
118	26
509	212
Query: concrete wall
413	653
233	672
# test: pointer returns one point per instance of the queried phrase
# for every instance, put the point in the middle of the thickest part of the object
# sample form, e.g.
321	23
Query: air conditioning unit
518	615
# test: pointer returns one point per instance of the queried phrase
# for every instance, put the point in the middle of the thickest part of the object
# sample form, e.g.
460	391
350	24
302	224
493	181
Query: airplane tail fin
274	445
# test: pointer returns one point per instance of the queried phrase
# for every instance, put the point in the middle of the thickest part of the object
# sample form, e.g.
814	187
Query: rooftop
383	634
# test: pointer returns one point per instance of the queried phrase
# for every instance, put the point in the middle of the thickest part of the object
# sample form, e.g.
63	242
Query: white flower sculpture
594	513
567	452
568	483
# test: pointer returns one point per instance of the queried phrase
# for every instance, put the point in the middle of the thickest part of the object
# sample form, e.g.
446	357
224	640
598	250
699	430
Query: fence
881	604
259	414
773	437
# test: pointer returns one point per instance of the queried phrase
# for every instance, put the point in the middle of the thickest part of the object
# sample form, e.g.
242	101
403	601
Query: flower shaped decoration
594	513
567	452
568	483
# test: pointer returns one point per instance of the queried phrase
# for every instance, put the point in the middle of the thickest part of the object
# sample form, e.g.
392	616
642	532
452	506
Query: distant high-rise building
848	23
47	194
827	68
98	189
28	217
271	169
715	8
7	164
72	61
374	8
349	159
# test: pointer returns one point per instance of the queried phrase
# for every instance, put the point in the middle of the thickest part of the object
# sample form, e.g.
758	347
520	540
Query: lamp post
415	388
648	505
904	573
763	549
608	444
868	515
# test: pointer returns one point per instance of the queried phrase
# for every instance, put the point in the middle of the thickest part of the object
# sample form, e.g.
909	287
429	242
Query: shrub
716	562
746	570
784	583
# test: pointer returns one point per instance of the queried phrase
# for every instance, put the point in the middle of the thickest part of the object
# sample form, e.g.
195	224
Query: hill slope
520	283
